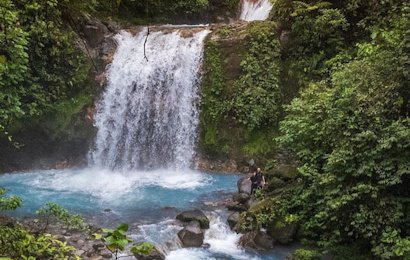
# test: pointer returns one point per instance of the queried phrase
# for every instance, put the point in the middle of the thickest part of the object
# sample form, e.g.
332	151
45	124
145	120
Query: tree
352	136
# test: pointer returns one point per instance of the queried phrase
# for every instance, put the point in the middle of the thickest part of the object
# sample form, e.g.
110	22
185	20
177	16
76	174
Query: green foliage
18	243
9	203
352	136
39	63
165	11
53	211
241	99
115	239
258	99
144	248
269	210
61	113
305	254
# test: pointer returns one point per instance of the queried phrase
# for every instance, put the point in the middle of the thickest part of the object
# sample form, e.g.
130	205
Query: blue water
146	200
108	197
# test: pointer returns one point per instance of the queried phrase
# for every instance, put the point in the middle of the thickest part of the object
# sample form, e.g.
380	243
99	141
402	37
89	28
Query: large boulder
94	32
233	220
244	185
241	197
252	203
283	232
197	215
192	235
256	240
235	206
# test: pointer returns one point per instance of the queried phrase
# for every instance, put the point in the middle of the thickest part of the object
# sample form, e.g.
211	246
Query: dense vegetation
328	81
348	126
39	64
241	103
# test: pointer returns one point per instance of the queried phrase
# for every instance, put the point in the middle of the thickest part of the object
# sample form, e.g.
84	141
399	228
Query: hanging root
145	42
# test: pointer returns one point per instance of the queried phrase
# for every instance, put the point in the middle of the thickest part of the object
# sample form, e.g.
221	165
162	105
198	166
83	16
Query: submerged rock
192	235
197	215
206	246
256	240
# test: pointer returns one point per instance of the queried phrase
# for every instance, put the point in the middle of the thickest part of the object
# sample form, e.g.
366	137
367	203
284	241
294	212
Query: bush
53	211
16	242
305	254
144	248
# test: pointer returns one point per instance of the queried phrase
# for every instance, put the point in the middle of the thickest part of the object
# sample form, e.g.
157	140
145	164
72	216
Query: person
254	182
260	177
257	180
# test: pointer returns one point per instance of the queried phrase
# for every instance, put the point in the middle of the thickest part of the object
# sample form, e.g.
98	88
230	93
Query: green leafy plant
17	243
144	248
9	203
115	239
52	211
306	254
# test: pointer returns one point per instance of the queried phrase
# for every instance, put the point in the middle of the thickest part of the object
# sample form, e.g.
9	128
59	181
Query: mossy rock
147	251
282	231
285	172
194	215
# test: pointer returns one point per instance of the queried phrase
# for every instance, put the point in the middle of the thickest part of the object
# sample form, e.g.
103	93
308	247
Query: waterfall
148	115
253	10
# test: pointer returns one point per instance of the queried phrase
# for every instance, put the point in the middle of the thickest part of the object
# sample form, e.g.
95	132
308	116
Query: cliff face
241	65
62	137
239	113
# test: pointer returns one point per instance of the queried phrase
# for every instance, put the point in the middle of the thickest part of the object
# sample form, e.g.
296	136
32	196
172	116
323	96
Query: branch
145	42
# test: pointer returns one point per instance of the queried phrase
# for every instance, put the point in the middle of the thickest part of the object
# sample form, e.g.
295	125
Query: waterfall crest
254	10
148	114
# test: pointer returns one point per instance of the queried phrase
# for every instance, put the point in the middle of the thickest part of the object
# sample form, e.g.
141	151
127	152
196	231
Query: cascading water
147	123
254	10
148	114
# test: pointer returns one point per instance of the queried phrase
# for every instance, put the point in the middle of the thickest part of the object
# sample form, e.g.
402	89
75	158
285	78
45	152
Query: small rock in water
107	210
206	246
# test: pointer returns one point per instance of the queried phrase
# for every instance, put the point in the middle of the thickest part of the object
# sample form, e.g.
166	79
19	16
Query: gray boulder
241	197
256	240
233	220
94	32
192	235
244	185
197	215
235	206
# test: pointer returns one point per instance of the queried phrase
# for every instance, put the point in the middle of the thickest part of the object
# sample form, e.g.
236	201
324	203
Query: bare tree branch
145	42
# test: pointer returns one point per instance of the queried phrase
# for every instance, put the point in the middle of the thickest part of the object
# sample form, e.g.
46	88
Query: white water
107	185
222	241
148	115
255	10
